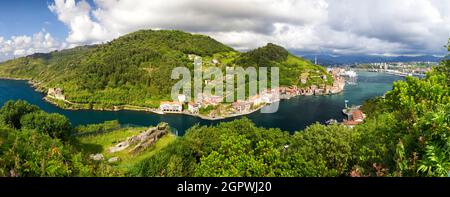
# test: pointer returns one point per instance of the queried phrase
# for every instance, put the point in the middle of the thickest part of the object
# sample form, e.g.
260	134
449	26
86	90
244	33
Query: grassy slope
101	142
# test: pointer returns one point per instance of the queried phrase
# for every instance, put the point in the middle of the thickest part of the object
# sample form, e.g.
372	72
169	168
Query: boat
331	121
351	77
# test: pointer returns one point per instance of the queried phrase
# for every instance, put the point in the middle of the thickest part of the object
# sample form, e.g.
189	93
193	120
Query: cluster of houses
338	86
274	95
171	106
266	97
193	107
56	93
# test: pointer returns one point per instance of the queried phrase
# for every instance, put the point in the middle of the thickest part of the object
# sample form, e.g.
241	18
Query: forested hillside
291	67
135	69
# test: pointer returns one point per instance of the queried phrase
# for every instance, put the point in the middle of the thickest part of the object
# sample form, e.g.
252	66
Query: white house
256	100
174	106
56	93
241	106
212	99
193	107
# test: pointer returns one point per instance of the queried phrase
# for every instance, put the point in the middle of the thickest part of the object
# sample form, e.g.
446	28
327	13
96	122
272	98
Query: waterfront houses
193	107
338	85
271	95
173	106
355	117
245	106
211	100
56	93
256	100
242	106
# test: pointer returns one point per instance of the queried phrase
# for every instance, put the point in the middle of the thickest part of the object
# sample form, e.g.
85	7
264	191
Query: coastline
68	105
152	110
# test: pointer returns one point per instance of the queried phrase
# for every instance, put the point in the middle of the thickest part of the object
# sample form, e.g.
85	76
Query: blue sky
26	17
382	27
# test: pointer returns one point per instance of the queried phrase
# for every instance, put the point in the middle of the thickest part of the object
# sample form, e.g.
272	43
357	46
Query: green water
293	115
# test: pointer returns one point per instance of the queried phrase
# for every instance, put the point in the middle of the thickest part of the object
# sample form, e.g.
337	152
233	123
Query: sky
338	27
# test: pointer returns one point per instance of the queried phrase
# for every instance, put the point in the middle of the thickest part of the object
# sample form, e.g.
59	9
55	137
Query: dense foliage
407	132
34	143
291	67
263	56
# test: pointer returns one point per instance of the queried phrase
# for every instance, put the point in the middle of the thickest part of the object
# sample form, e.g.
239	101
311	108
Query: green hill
135	69
291	67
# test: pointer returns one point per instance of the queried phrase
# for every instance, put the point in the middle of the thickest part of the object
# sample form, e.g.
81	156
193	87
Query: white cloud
417	25
340	27
227	18
18	46
345	26
77	17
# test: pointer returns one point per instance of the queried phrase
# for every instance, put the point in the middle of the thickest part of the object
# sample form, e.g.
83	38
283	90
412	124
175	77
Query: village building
256	100
309	91
211	100
168	106
193	107
354	118
312	90
241	106
293	90
303	80
56	93
358	116
271	95
319	91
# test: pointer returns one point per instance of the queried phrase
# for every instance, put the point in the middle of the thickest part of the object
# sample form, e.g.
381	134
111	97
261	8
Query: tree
406	133
330	145
55	125
12	112
436	161
32	153
236	158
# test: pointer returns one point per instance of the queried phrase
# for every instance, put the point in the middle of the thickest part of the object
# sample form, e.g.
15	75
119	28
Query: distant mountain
358	59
